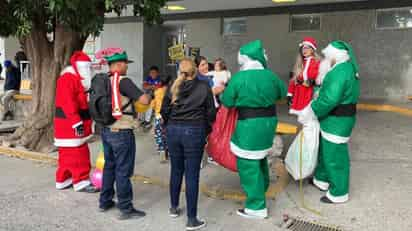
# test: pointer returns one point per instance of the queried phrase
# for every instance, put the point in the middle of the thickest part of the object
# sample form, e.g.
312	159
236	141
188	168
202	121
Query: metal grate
301	225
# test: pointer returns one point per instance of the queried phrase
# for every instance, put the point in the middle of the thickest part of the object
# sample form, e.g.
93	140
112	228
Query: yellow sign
177	52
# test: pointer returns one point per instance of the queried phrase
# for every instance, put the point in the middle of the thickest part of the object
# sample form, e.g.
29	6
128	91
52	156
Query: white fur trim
66	183
262	214
247	63
294	111
247	154
77	124
75	142
307	43
337	199
81	185
334	138
321	184
305	70
69	70
332	53
290	94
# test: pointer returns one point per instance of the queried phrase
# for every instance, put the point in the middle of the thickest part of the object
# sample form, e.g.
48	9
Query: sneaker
163	158
133	213
243	213
174	212
107	207
195	224
89	189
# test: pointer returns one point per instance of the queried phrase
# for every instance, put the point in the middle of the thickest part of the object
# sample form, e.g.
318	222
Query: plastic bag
218	146
305	146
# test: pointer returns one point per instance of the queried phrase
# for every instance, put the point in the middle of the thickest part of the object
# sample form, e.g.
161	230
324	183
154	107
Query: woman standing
188	111
305	72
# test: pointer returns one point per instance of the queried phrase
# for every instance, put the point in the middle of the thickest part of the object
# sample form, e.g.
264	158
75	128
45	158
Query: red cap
309	41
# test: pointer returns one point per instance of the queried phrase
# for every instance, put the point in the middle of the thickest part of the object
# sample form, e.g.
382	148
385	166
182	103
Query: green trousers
333	167
254	178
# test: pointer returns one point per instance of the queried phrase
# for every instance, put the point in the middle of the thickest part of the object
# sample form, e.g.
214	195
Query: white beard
85	71
324	67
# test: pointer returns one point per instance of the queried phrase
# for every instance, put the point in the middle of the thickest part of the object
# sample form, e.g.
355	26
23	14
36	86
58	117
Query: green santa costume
254	91
335	108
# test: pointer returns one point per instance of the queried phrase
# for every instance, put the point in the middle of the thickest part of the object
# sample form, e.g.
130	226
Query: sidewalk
380	196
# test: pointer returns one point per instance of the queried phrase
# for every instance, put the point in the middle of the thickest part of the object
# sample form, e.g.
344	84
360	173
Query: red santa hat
309	41
79	56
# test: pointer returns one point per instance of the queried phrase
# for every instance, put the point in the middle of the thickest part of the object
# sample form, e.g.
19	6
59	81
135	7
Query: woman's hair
222	64
199	59
298	68
187	70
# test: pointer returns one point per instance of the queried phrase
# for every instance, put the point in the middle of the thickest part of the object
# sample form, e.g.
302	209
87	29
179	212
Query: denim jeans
119	156
186	144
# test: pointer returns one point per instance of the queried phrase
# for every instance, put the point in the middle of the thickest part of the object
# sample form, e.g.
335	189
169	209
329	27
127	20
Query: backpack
100	100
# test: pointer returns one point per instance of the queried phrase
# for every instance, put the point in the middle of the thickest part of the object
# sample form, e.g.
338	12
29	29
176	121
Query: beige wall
128	36
385	56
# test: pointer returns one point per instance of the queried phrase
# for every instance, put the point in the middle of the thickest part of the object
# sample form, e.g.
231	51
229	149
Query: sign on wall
177	52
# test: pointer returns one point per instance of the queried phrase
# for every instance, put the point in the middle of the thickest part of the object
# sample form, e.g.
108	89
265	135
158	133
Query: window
304	23
234	26
400	18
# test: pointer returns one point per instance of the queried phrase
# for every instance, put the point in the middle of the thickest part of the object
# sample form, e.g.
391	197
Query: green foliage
19	17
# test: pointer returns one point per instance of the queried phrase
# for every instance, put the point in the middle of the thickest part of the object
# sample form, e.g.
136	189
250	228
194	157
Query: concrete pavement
380	197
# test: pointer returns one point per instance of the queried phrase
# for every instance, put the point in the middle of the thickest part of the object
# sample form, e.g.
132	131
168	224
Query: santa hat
342	51
309	41
79	57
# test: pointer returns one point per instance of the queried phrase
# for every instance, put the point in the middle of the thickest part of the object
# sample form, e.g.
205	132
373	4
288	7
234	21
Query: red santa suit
301	88
72	124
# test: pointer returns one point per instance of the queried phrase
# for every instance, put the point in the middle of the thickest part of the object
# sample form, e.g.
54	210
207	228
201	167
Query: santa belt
249	112
84	114
344	110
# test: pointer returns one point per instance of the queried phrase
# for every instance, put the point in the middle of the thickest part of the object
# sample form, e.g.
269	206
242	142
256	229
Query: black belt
249	112
84	114
344	110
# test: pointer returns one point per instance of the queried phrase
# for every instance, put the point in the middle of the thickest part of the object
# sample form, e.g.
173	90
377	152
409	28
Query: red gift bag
219	140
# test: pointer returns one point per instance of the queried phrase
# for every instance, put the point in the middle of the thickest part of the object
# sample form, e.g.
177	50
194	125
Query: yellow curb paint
23	97
385	108
210	191
285	128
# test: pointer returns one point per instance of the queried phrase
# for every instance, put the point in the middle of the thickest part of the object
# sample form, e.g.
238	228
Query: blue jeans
119	156
186	144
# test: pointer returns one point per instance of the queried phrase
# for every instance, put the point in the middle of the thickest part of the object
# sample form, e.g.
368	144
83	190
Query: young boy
159	133
150	83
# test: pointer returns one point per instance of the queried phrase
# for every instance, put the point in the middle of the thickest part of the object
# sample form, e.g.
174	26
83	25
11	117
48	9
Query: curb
385	108
211	191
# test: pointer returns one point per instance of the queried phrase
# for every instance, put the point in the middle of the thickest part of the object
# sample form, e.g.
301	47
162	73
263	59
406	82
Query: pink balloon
97	178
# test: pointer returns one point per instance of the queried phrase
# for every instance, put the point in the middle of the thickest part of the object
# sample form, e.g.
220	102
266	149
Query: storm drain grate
301	225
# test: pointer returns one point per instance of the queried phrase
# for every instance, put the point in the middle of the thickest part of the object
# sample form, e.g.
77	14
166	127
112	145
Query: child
159	133
221	77
150	83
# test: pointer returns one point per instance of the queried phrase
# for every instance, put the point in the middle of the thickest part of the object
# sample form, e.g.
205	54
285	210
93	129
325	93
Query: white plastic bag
305	146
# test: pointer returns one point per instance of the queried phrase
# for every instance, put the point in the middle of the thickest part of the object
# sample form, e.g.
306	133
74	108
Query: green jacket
256	89
340	86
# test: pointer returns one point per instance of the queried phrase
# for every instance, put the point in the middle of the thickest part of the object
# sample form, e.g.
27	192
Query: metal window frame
233	34
304	16
390	28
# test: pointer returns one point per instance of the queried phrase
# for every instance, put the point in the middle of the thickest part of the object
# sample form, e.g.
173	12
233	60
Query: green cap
117	57
254	50
341	45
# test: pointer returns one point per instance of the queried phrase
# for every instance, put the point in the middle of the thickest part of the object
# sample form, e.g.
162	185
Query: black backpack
100	100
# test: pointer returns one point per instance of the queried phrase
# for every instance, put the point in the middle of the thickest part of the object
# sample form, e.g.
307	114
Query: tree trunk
47	61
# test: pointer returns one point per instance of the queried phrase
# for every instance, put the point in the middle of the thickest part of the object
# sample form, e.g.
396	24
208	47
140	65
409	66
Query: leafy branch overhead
19	17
